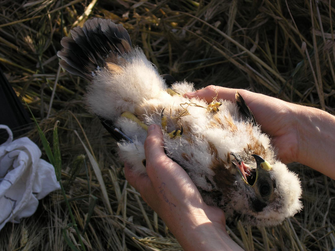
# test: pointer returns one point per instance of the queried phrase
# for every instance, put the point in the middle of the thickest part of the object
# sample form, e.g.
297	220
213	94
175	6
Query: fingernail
151	128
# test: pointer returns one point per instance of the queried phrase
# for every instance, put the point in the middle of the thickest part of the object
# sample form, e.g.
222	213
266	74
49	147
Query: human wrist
316	139
209	237
187	222
306	128
196	231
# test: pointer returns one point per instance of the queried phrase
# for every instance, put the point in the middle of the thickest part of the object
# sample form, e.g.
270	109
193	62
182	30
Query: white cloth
24	178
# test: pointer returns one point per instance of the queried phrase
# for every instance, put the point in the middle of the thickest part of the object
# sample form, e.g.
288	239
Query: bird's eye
265	189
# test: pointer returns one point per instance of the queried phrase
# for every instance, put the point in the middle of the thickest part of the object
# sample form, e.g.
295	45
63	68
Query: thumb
153	144
158	165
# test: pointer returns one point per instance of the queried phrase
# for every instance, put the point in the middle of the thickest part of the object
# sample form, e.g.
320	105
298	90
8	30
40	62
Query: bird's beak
248	176
251	176
263	168
261	163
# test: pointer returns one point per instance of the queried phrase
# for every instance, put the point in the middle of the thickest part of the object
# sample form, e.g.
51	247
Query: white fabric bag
24	178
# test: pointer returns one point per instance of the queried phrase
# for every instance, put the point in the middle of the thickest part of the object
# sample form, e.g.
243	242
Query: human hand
170	192
274	115
299	133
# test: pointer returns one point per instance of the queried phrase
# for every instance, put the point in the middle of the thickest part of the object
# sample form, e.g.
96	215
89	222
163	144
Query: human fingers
210	92
159	166
154	153
164	180
169	180
153	146
266	109
135	179
142	183
256	102
274	115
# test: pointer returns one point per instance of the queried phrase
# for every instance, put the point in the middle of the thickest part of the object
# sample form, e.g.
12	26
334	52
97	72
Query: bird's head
269	191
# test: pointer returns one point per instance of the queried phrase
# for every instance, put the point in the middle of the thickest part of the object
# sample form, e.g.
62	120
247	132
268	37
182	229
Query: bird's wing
244	109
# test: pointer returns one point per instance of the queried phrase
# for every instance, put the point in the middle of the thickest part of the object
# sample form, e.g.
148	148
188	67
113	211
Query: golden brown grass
281	48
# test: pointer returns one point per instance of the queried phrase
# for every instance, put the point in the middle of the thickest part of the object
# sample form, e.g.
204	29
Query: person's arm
299	133
170	192
316	147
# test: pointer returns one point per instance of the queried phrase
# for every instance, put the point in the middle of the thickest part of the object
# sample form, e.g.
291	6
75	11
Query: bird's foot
173	134
213	107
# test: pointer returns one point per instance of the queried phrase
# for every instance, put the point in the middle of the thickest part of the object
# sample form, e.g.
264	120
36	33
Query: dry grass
281	48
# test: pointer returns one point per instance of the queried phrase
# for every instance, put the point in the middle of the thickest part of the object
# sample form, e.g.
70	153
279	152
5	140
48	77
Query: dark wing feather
116	133
169	79
244	109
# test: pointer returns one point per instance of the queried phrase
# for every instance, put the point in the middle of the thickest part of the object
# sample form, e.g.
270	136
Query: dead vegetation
281	48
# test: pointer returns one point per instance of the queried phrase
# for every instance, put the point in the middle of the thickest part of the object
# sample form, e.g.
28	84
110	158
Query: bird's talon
174	133
214	107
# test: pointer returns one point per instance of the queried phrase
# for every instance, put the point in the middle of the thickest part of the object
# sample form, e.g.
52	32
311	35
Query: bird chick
219	145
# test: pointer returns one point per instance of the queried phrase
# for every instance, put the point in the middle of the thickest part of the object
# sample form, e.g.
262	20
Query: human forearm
316	146
202	234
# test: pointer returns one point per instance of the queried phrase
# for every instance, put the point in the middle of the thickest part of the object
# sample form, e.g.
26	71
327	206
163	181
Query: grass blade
98	174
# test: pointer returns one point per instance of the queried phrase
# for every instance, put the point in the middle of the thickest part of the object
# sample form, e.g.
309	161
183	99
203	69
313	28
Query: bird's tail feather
121	76
94	45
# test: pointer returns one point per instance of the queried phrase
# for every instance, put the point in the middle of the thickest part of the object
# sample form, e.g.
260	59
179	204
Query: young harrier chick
219	144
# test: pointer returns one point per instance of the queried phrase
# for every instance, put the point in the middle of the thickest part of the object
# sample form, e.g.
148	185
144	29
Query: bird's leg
173	134
132	117
172	92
